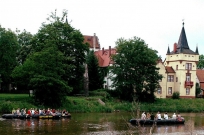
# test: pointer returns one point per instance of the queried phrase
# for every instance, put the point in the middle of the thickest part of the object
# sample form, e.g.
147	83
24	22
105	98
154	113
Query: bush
100	92
176	95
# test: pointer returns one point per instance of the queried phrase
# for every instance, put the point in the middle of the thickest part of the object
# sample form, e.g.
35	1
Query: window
176	79
176	67
188	78
170	78
188	66
159	90
170	90
187	91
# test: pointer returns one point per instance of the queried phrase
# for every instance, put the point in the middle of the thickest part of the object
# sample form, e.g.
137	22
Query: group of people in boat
33	111
158	116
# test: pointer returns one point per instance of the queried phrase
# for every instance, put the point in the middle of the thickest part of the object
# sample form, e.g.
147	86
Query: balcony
188	84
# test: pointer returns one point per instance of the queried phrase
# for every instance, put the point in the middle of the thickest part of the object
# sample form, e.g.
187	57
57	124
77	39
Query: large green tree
201	62
94	73
70	42
8	49
136	74
43	72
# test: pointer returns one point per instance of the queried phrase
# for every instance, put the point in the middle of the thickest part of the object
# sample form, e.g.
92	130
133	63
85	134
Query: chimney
175	46
94	42
102	50
109	51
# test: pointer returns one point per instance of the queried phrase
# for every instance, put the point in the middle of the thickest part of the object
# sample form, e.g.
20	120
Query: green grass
14	97
91	104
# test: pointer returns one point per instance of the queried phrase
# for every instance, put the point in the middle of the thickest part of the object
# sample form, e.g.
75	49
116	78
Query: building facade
178	70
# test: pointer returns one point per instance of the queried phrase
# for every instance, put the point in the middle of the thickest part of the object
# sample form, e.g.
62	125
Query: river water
99	124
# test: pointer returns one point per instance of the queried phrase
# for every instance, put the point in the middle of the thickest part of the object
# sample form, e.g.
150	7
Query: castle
178	70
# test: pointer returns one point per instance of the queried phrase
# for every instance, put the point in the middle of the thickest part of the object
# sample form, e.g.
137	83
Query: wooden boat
35	116
158	122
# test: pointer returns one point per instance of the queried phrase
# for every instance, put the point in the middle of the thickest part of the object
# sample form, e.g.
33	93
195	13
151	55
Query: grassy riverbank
94	104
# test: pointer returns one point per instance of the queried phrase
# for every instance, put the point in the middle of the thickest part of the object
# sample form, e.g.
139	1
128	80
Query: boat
158	122
35	116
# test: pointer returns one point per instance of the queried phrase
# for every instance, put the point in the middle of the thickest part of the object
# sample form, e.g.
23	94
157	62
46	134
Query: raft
157	122
36	116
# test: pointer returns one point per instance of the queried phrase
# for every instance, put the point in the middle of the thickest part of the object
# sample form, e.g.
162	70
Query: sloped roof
169	69
90	40
182	46
183	43
202	86
103	56
200	75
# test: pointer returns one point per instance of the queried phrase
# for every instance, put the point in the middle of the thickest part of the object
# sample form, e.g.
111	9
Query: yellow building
178	70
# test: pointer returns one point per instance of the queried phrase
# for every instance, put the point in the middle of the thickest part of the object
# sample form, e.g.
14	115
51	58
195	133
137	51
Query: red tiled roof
89	39
169	69
202	86
200	75
104	58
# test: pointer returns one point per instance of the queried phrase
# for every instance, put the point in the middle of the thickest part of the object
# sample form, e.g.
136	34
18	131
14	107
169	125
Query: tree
94	74
136	74
70	42
197	89
43	72
24	40
201	62
8	47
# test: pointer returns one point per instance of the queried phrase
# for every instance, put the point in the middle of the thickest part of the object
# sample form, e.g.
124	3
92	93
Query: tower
180	69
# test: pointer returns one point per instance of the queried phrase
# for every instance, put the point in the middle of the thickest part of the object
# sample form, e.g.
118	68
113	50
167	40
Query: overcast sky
157	22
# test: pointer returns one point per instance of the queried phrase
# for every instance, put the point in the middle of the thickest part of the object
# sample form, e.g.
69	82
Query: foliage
8	47
176	95
201	62
91	104
94	75
24	40
198	89
69	41
43	73
135	69
101	93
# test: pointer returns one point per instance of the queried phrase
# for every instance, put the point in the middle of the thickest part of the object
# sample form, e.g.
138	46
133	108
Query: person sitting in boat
29	112
152	116
148	115
179	118
40	111
64	112
159	116
52	112
22	111
13	111
174	116
17	111
48	111
36	111
166	116
143	117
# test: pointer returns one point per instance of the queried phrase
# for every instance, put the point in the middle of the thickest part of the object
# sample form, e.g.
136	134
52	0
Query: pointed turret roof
168	50
183	43
197	50
182	46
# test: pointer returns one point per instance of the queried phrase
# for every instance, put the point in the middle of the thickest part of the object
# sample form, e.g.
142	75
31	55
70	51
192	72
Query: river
116	123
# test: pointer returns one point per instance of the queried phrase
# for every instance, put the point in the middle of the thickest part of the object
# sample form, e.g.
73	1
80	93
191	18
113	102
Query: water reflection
99	124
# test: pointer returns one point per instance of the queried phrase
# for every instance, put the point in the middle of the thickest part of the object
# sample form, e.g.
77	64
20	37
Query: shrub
176	95
100	92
